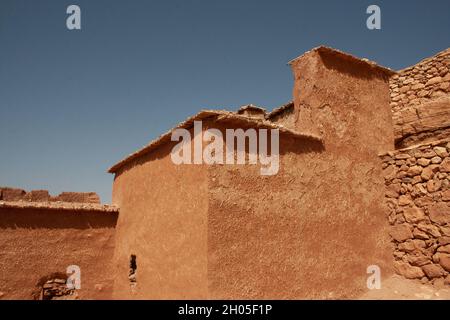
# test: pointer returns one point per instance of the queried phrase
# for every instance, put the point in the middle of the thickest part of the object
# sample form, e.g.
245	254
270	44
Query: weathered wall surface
418	196
312	230
420	101
283	115
345	101
15	194
36	243
163	221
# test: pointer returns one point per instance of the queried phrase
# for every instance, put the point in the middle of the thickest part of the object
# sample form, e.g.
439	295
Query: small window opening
133	268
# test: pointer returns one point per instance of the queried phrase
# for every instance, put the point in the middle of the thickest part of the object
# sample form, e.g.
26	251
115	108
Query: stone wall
420	101
418	197
14	194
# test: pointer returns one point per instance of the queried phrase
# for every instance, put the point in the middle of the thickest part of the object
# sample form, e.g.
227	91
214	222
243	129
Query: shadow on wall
354	67
54	219
287	144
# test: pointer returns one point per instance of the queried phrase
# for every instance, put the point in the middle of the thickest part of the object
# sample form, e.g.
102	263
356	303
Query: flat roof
219	116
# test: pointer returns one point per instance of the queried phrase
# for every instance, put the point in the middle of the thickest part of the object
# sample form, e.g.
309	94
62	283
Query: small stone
411	161
447	280
434	185
418	260
414	171
398	254
441	151
390	172
401	232
444	86
444	249
408	271
445	230
414	215
434	80
418	86
412	246
430	229
402	156
428	155
416	180
439	213
427	173
444	240
436	160
421	191
445	165
419	234
404	89
433	271
423	162
404	200
446	195
393	190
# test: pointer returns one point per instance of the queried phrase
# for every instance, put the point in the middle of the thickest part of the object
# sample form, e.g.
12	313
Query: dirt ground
398	288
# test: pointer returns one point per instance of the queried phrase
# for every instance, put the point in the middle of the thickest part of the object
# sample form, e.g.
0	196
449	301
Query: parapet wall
418	197
39	241
420	101
14	194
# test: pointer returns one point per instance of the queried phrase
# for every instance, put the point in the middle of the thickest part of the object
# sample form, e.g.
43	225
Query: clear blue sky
72	103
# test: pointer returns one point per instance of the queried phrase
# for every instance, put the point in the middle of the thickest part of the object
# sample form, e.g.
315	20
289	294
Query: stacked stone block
13	194
418	199
427	80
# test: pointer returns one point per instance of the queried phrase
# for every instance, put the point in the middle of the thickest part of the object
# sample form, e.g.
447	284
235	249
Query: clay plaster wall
420	101
309	231
418	197
36	243
163	221
297	235
346	102
268	237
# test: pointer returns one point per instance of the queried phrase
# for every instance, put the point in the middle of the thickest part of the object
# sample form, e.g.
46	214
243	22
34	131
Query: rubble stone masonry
420	101
418	197
14	194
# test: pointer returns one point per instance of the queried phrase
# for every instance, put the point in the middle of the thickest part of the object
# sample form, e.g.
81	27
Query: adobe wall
163	221
309	231
418	196
345	101
15	194
283	115
420	101
39	244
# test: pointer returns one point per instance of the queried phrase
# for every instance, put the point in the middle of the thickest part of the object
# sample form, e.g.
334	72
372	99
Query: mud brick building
363	180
